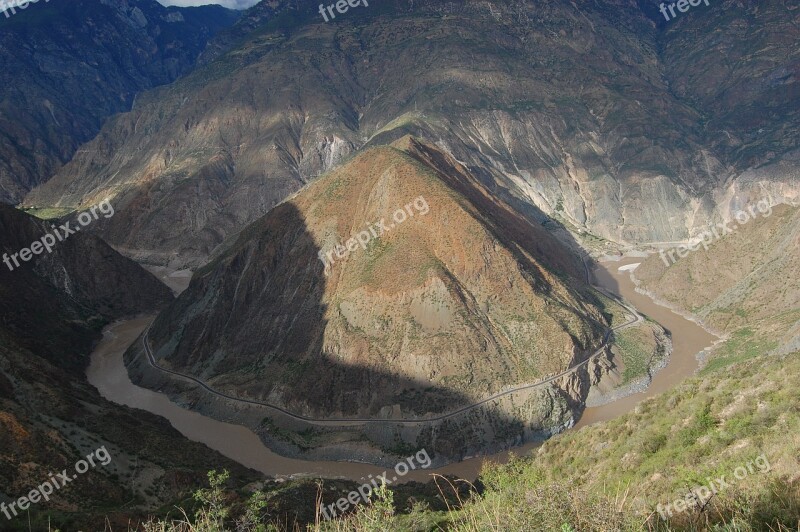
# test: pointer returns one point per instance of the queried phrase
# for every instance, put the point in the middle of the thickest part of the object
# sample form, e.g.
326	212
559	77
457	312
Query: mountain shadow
67	66
52	309
386	347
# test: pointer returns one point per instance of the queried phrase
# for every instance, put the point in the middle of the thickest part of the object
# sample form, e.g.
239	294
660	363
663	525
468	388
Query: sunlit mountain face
259	258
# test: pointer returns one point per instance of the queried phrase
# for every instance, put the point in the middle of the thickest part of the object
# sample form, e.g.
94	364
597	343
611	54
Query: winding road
108	373
637	318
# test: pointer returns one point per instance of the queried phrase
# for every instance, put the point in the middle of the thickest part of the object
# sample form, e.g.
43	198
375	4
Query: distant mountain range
67	66
620	127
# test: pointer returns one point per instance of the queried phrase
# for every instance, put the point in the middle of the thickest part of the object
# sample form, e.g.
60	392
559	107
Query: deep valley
457	265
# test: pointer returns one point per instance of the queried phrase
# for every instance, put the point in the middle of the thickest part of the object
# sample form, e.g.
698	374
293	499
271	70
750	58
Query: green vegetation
743	345
52	213
335	189
637	348
303	439
294	370
612	476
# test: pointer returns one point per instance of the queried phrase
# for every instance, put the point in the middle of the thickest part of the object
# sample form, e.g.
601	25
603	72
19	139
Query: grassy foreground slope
743	404
738	417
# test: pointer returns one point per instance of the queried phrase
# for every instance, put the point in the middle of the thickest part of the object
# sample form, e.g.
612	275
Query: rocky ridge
598	115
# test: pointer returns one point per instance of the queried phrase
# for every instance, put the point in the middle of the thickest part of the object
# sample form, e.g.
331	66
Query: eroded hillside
598	116
458	300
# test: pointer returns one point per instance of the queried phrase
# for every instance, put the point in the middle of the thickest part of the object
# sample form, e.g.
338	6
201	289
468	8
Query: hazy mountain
66	66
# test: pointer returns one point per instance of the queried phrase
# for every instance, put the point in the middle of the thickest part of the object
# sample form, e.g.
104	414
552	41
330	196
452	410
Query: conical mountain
396	286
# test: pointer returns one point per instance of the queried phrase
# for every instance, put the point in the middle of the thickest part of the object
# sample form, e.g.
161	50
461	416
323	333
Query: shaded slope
69	292
441	310
66	66
737	64
51	312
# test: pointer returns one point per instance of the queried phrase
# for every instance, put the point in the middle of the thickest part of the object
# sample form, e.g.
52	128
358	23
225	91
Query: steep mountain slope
588	110
66	66
442	306
737	64
740	410
745	285
51	311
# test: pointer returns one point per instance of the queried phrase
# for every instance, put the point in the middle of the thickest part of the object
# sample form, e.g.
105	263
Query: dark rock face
55	303
66	66
601	117
737	65
51	312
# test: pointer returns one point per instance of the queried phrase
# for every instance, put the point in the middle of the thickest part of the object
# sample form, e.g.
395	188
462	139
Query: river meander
108	374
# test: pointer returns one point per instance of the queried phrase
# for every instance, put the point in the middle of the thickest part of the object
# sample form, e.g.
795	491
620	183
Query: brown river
109	375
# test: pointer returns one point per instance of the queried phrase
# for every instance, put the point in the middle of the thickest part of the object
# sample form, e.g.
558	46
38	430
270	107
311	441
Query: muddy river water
108	374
